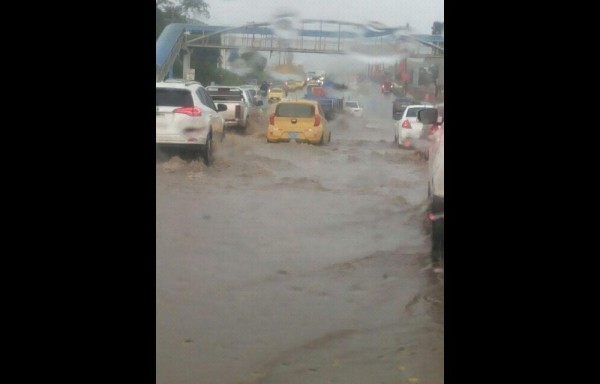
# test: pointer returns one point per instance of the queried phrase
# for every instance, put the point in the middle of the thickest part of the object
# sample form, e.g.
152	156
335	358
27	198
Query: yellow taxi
290	84
301	120
276	94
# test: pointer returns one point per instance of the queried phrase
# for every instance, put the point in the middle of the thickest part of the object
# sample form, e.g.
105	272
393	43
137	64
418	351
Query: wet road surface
295	263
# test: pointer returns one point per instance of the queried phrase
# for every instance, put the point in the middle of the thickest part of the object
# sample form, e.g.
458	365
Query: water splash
377	42
286	25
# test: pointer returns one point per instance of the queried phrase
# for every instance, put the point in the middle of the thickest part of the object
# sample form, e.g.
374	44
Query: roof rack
181	81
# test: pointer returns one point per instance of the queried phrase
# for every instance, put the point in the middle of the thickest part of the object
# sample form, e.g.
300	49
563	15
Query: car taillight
434	129
238	111
317	120
406	124
190	111
272	119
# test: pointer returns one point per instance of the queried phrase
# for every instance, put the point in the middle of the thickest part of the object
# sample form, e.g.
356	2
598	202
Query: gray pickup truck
238	103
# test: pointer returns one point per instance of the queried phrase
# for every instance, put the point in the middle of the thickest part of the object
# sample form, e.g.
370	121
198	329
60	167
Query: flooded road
294	263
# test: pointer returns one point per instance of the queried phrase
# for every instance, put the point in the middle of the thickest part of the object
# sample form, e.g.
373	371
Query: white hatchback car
409	129
187	118
353	107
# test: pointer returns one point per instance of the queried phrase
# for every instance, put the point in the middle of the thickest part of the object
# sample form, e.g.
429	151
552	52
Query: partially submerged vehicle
436	182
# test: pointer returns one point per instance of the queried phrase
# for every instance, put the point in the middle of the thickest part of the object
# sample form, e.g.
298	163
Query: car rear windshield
352	104
167	97
295	110
225	94
412	112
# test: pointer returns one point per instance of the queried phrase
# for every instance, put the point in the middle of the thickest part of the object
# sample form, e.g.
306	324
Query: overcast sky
419	14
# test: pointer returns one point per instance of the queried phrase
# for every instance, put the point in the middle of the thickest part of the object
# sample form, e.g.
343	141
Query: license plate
293	135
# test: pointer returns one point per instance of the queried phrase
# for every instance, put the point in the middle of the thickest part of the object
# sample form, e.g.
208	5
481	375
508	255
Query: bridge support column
187	55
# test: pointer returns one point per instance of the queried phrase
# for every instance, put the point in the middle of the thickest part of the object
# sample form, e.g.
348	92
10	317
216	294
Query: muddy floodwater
293	263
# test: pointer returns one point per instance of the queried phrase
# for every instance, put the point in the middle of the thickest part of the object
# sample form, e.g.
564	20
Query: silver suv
187	118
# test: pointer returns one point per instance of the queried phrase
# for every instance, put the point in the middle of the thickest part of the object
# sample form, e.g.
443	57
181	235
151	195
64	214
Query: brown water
293	263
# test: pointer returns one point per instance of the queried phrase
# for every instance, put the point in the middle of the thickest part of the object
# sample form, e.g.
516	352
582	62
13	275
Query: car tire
437	231
207	151
329	138
322	141
437	240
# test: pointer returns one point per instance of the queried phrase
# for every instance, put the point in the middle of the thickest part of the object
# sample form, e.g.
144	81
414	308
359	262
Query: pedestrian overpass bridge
307	36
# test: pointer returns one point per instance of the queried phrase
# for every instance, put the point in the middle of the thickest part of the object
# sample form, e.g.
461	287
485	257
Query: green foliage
255	61
205	61
161	21
183	11
192	8
229	78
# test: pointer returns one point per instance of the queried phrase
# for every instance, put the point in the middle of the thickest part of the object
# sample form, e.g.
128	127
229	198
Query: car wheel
437	240
322	139
437	232
207	152
329	138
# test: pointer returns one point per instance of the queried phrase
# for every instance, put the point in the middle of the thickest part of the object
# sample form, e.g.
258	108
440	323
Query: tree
255	61
181	11
437	28
161	21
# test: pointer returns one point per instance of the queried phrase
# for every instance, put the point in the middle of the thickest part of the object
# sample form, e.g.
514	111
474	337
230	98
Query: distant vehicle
276	94
353	107
331	105
264	88
436	181
387	87
238	103
279	84
302	121
254	93
399	105
293	84
315	78
187	118
409	129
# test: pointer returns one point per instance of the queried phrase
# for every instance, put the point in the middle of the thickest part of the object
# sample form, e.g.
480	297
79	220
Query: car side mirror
428	116
221	107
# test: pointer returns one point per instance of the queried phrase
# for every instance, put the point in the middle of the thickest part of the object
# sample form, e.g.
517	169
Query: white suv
436	183
187	118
